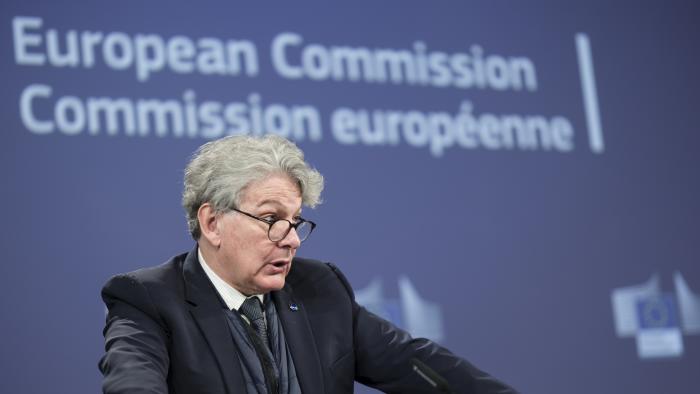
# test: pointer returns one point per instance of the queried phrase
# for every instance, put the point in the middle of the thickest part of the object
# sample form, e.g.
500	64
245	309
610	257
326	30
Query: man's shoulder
166	274
309	269
305	264
167	268
310	272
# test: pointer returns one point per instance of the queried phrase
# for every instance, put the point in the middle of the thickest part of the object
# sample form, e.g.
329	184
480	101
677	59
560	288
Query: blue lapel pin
293	307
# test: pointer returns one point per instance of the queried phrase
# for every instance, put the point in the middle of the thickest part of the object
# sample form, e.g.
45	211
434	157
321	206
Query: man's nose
291	240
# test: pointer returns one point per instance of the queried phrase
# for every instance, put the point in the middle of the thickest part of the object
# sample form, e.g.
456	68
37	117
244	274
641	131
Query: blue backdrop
525	174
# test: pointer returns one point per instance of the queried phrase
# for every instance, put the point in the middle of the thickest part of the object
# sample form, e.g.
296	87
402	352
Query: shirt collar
232	297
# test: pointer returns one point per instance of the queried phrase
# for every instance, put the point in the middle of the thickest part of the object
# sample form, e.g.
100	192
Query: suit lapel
299	336
206	308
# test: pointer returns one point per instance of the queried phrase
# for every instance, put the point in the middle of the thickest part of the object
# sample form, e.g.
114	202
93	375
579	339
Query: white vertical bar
590	96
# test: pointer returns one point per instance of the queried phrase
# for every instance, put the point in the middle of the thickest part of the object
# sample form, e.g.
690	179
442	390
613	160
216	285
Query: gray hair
220	170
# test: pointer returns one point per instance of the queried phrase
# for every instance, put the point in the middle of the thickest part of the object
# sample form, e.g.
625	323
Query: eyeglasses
279	228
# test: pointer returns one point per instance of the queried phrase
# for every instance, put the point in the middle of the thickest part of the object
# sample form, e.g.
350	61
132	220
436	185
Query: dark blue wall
516	248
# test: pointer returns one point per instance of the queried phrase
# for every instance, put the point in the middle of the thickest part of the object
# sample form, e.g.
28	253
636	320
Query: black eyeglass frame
271	223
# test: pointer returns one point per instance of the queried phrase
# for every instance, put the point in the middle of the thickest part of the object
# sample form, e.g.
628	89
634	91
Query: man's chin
272	283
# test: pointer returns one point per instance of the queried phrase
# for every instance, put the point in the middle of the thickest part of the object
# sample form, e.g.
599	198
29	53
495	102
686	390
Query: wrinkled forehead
276	190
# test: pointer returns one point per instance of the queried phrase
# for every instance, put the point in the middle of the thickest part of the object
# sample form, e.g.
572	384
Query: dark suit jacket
166	333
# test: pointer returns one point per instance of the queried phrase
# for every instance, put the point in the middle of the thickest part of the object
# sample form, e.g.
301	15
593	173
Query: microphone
430	376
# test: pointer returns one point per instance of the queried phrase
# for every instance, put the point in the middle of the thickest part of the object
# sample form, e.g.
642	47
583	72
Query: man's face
250	261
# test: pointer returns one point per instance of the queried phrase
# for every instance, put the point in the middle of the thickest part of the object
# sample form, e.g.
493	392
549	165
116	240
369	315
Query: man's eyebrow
277	204
269	201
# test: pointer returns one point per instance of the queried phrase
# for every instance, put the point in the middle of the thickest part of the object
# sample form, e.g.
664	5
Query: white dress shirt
232	297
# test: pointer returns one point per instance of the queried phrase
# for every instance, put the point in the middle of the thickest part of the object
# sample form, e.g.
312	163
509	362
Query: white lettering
342	124
150	55
117	51
70	115
118	114
88	41
441	130
22	39
71	56
279	59
180	53
242	52
25	109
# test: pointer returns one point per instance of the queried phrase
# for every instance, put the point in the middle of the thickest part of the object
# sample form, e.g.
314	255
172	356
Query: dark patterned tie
252	309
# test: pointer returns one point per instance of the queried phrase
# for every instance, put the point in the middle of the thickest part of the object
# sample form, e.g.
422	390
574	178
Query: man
240	314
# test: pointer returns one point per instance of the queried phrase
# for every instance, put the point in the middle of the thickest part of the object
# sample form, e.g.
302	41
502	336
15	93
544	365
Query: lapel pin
293	307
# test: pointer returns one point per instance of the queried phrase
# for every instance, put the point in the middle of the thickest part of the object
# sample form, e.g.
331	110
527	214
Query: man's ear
208	224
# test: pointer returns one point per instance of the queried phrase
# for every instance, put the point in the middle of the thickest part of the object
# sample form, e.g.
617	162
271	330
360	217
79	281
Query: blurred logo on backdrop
419	317
656	319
